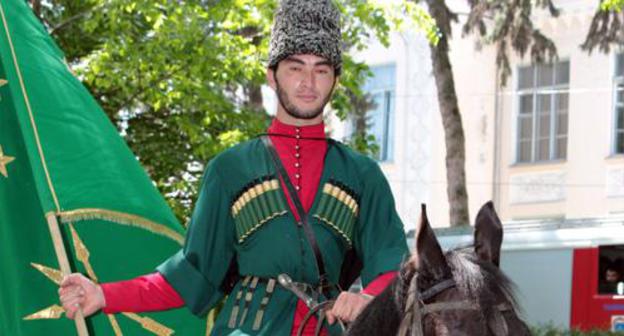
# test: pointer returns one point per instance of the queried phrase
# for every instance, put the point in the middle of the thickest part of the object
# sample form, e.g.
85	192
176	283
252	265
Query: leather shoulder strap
303	216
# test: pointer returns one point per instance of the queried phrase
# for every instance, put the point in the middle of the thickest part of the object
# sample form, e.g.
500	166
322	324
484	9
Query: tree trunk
36	7
451	118
254	98
361	105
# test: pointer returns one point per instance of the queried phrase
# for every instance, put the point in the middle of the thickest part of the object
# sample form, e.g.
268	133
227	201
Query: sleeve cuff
196	291
111	298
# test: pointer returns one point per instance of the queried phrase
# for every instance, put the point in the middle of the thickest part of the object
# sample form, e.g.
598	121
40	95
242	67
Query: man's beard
296	112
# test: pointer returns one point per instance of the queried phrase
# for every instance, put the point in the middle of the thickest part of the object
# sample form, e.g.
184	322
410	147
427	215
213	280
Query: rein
316	308
313	311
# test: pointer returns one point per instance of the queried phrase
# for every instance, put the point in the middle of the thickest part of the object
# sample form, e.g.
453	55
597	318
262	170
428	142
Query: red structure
590	309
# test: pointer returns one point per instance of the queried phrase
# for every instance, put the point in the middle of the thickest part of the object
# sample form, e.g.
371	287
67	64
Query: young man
247	216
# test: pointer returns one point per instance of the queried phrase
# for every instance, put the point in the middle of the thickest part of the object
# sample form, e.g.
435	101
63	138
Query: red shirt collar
312	131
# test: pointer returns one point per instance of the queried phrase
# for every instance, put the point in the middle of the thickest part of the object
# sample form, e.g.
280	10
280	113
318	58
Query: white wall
415	105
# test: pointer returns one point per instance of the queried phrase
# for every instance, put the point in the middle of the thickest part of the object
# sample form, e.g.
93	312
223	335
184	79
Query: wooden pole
61	255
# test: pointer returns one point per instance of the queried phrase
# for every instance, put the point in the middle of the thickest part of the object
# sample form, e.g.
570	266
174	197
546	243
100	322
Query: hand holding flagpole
63	261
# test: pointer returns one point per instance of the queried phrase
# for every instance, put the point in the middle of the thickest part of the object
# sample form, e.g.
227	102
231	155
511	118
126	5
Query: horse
459	292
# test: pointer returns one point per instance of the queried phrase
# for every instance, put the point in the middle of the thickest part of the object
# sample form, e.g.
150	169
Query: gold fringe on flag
120	218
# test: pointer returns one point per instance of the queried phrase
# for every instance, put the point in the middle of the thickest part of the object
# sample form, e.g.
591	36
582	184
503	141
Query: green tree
615	5
182	80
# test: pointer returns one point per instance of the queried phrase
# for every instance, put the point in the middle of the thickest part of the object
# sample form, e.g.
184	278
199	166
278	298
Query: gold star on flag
4	161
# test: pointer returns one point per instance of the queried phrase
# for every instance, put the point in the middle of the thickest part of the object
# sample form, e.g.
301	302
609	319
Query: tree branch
69	21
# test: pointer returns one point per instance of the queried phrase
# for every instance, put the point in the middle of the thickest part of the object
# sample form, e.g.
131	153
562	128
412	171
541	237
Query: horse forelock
480	281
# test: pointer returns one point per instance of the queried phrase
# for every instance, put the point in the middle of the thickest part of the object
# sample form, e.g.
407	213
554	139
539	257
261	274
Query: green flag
60	156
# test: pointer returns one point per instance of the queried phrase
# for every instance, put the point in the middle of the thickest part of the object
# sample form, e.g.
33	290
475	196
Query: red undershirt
301	158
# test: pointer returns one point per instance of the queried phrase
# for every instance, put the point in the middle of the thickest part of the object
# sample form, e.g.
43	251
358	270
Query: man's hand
347	307
77	291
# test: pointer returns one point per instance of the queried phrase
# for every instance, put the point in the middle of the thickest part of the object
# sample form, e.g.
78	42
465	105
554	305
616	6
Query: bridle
416	308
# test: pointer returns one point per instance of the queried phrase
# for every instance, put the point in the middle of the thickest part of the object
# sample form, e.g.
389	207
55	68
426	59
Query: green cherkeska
242	214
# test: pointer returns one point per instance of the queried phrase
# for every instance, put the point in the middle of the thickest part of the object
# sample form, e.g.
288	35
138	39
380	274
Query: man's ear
270	75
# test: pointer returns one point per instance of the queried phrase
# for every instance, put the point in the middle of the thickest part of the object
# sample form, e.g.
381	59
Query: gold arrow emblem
56	311
52	312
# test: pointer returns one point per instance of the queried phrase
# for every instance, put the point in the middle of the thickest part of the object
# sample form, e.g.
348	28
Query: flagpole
61	255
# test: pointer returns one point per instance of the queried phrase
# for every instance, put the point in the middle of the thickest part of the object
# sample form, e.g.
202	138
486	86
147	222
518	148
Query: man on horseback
281	219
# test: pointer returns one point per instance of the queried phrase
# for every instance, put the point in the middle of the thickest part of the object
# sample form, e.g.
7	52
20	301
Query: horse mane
480	280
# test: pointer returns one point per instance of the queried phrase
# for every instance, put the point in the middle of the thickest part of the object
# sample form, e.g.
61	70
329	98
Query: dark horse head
460	292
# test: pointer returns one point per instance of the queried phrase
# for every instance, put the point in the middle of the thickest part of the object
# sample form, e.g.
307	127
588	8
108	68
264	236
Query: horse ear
431	260
488	234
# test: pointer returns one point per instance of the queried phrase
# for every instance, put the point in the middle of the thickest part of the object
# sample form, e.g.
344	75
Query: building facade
547	144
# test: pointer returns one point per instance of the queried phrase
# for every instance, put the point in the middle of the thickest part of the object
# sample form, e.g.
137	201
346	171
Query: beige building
561	147
549	144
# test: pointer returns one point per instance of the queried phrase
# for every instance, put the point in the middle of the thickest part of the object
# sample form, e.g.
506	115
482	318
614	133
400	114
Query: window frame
605	253
618	81
388	94
535	91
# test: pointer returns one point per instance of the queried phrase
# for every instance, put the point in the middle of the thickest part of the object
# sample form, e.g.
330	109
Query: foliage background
182	79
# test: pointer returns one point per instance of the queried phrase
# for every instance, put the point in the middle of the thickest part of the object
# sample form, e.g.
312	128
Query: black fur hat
306	27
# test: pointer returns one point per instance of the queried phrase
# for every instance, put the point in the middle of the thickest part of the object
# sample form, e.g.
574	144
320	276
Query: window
380	117
618	132
543	112
611	270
